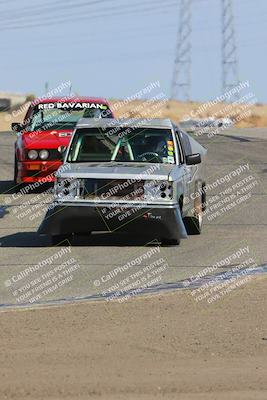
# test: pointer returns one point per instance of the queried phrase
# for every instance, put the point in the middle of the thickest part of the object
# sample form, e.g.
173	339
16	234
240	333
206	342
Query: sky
113	48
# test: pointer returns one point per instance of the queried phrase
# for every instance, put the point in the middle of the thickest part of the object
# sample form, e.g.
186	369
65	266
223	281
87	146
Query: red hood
47	139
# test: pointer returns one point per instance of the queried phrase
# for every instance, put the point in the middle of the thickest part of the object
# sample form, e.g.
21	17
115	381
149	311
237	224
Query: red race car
46	132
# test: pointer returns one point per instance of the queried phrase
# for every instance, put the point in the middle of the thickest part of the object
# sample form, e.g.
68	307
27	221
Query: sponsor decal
170	148
71	106
151	216
171	159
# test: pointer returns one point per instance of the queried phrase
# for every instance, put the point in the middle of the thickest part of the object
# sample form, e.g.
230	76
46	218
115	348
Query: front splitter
160	221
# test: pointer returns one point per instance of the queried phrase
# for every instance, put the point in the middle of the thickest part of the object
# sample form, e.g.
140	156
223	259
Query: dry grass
245	117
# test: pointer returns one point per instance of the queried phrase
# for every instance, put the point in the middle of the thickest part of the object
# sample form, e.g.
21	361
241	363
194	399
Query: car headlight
67	188
32	154
44	154
158	190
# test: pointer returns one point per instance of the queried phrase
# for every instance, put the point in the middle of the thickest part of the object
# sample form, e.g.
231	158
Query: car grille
54	154
103	189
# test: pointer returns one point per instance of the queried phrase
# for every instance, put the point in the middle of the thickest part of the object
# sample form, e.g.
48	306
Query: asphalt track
95	259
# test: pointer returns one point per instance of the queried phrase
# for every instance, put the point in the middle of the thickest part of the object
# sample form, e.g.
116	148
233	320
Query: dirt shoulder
163	346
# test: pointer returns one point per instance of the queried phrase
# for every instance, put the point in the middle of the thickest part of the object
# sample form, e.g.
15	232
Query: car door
187	171
190	146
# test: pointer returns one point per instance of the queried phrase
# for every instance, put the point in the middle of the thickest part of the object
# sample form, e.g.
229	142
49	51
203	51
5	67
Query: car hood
117	170
46	139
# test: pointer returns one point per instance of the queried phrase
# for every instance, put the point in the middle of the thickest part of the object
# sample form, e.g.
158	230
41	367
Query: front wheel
17	186
15	171
193	225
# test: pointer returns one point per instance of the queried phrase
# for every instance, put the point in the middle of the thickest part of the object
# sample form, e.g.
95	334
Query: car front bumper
158	221
37	171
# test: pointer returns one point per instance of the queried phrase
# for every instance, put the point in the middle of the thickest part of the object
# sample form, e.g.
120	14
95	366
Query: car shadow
8	188
23	239
32	239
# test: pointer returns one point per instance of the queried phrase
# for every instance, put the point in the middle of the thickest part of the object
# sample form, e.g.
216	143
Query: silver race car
133	176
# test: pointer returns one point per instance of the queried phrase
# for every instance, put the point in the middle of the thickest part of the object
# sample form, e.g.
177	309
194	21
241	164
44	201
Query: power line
42	11
20	11
54	12
90	16
181	82
4	1
229	51
122	35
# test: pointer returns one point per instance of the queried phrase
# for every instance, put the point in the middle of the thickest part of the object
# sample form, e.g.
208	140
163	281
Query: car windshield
59	116
148	145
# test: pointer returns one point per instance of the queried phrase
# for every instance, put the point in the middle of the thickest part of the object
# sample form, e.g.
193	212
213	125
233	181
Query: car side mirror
16	127
193	159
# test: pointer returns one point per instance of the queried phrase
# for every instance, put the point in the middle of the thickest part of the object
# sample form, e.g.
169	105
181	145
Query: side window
180	148
186	144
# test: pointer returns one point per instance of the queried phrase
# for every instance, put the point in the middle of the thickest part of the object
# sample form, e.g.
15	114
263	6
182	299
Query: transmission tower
181	83
229	51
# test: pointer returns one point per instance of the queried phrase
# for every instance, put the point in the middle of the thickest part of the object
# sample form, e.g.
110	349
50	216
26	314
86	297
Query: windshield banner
72	106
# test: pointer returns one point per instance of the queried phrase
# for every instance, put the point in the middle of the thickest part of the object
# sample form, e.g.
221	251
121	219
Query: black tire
193	225
204	197
15	170
17	186
62	240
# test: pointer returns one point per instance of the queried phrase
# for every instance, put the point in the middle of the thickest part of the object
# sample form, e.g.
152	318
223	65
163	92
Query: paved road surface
242	226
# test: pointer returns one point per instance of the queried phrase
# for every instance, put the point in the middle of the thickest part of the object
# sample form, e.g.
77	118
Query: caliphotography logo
133	190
